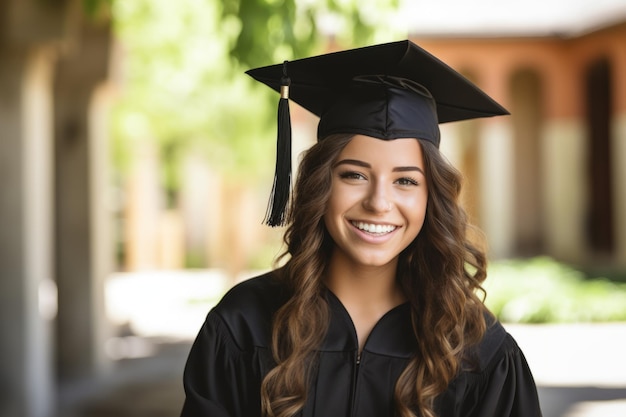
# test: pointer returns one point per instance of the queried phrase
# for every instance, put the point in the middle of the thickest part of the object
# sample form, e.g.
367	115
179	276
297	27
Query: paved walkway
140	387
580	369
151	387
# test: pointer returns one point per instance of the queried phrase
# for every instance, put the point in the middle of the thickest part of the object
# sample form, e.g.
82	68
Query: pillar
618	137
563	161
27	299
81	158
619	164
142	208
497	187
564	195
497	177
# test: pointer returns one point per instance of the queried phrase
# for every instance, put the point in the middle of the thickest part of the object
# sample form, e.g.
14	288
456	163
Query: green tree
274	30
184	61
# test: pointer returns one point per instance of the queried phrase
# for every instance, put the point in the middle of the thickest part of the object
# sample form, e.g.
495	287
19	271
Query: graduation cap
387	91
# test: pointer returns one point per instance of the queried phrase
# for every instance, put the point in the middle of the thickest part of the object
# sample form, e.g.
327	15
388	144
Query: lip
371	238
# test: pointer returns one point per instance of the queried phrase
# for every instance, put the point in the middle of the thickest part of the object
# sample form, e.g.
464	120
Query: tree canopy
184	62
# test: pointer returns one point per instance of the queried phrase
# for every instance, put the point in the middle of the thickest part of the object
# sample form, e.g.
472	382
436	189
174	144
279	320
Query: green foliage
541	290
93	8
274	19
183	82
183	91
271	31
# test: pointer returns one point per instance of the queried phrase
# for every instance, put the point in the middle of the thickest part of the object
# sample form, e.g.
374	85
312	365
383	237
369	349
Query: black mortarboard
387	91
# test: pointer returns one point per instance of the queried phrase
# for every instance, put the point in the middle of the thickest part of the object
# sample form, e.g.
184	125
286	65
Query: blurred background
136	159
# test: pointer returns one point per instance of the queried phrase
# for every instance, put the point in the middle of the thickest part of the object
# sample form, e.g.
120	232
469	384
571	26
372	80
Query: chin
374	261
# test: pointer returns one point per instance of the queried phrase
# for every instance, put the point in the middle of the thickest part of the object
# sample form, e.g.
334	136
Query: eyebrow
366	165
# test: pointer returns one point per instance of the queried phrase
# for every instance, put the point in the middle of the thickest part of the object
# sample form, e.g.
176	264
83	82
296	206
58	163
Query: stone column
563	156
81	204
497	188
32	33
619	188
618	144
27	292
563	149
496	169
460	145
142	208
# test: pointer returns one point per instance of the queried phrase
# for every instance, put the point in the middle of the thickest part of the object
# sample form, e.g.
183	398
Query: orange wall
560	63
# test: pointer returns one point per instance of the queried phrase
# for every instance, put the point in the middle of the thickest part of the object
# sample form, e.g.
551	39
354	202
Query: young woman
375	312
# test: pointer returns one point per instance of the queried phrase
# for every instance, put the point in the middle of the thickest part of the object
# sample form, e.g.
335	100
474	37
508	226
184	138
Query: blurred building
547	180
54	230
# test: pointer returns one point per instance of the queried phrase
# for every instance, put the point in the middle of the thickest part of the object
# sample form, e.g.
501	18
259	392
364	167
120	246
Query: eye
351	175
407	181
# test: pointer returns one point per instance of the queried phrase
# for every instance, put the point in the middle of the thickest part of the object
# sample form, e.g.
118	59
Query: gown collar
391	336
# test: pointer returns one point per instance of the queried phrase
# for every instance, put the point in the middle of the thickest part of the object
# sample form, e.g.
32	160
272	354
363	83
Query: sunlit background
136	159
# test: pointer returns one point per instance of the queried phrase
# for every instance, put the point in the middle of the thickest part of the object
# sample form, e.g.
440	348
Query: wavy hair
439	272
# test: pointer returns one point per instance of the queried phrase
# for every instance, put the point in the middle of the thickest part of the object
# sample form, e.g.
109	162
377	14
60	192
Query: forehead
396	152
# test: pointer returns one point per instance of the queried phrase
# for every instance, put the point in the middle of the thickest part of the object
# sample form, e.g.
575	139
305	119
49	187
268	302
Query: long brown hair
439	272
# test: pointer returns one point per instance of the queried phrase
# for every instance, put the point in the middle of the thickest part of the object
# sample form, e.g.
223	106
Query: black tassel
276	214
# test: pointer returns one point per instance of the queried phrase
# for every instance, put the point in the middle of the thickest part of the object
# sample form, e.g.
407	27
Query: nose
378	199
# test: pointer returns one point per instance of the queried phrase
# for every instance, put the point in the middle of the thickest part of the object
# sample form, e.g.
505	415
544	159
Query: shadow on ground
152	387
140	387
578	401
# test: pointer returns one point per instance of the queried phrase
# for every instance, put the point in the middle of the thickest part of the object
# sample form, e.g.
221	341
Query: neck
366	292
373	286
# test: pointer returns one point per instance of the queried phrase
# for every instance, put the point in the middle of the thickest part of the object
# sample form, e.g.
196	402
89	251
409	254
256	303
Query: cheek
415	203
339	200
416	210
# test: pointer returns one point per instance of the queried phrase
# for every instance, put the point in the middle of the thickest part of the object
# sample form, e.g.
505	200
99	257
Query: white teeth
374	228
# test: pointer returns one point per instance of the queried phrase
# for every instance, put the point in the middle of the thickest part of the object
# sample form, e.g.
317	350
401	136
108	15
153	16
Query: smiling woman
377	203
376	312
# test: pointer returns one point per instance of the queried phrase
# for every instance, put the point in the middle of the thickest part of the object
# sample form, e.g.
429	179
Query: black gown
232	353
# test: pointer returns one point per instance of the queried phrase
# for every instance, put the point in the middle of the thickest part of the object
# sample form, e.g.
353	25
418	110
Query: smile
375	229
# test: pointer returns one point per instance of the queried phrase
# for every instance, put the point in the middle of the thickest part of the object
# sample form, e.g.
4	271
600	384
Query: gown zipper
355	382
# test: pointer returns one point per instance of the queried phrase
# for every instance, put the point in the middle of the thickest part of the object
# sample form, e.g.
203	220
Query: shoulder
497	344
246	310
499	383
254	296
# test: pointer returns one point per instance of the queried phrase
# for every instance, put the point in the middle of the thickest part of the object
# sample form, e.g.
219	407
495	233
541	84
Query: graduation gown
232	354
